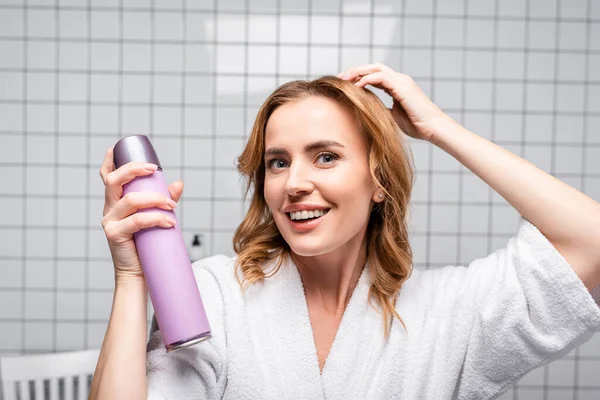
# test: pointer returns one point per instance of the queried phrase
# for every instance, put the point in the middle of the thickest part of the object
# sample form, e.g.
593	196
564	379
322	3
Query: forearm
121	369
567	217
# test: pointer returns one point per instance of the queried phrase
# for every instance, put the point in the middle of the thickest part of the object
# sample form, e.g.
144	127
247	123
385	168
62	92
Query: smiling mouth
302	216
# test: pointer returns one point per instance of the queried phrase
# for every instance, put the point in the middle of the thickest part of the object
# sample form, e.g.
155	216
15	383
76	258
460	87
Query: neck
330	279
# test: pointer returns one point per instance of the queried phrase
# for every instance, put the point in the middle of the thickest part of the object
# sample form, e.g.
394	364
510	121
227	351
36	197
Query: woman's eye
328	158
276	163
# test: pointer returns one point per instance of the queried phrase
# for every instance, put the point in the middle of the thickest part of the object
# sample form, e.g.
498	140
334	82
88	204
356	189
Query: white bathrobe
472	331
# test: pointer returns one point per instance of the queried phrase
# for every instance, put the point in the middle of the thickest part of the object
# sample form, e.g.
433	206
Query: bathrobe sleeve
198	371
513	311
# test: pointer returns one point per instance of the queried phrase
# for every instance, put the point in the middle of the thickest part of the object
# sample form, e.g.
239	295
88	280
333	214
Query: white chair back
48	376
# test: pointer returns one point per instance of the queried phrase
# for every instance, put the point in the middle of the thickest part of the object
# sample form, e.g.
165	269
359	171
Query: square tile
39	305
478	95
11	304
11	336
99	305
73	55
472	248
72	149
541	35
261	60
104	56
17	49
293	29
540	97
444	218
68	178
542	8
448	94
262	28
387	31
72	87
539	155
12	23
571	66
229	91
39	274
231	59
356	30
323	60
510	64
72	212
40	180
72	24
479	123
480	33
229	121
481	7
587	375
572	35
442	161
11	211
40	23
511	33
69	336
135	119
202	184
70	274
227	151
170	151
40	211
198	121
592	159
443	250
72	118
419	7
166	120
228	214
325	29
223	244
448	63
41	86
106	24
229	185
71	243
452	7
569	128
419	218
104	119
474	189
39	336
197	213
168	26
167	89
417	62
508	126
538	128
449	32
12	86
137	57
570	98
568	160
293	60
444	187
418	31
200	58
104	88
136	24
509	96
168	58
70	305
511	8
97	244
231	27
100	275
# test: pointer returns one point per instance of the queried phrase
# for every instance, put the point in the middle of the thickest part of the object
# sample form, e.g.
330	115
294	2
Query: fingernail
150	167
171	203
171	221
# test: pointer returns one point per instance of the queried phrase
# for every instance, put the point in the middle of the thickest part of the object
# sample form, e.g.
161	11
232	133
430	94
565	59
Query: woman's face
316	160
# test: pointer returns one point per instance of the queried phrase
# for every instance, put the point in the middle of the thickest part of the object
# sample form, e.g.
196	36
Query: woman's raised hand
413	111
120	220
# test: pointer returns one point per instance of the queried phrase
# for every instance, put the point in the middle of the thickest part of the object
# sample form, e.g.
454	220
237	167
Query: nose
298	182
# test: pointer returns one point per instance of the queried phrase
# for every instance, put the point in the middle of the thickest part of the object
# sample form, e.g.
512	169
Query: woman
321	300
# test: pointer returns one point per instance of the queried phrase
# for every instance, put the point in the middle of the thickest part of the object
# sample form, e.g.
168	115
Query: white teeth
296	215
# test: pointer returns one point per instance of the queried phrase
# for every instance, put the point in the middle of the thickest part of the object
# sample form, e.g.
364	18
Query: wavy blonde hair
257	239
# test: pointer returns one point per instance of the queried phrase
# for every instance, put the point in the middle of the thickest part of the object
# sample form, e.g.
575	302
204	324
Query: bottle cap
134	148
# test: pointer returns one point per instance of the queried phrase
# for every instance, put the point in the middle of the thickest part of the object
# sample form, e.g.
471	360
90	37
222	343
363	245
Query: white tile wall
524	74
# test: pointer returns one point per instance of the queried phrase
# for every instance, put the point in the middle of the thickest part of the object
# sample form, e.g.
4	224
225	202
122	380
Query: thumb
175	190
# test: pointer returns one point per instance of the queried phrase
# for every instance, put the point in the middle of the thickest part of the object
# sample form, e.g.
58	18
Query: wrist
130	281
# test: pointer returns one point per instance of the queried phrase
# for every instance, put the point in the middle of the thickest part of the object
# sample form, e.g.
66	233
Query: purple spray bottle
167	268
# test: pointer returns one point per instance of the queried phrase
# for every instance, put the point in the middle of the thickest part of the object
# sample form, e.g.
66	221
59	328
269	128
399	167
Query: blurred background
77	75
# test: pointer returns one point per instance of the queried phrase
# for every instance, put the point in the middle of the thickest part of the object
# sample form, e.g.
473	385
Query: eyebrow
321	144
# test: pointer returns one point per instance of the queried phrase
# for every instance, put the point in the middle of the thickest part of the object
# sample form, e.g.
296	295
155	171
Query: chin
308	247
